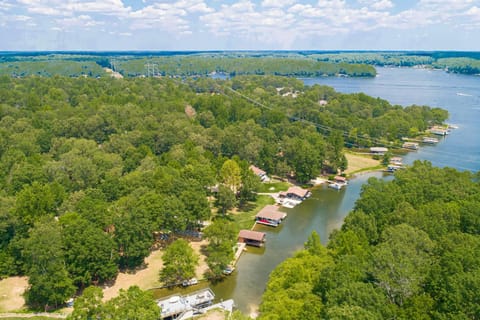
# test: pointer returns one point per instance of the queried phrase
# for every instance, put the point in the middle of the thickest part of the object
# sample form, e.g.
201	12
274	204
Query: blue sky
240	25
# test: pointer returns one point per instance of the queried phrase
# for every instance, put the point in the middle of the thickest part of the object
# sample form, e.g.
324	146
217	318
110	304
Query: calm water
327	208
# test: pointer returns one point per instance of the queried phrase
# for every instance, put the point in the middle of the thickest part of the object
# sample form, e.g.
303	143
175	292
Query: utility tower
151	69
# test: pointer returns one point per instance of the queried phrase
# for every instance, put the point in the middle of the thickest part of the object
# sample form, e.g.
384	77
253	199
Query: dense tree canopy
132	304
108	164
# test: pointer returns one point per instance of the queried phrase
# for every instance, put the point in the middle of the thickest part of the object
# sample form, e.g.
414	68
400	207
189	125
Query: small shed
252	238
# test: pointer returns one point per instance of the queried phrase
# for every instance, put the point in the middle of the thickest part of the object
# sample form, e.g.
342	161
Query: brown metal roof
271	212
251	235
298	191
257	171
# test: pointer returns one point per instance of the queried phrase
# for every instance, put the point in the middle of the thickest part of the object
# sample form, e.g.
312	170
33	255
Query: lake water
327	208
459	94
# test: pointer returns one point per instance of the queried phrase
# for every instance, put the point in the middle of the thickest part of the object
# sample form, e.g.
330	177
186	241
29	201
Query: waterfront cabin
252	238
378	150
176	305
270	216
410	145
260	173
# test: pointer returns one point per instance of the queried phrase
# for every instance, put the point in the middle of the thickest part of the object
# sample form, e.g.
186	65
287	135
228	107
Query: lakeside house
270	216
259	173
252	238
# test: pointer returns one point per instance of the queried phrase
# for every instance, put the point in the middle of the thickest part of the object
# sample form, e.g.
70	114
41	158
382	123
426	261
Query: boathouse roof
271	212
340	178
252	235
299	192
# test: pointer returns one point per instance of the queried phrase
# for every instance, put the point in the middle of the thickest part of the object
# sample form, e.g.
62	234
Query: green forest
408	250
230	63
456	62
94	171
74	65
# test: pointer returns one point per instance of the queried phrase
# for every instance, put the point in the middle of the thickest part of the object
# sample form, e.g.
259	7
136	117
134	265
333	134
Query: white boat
191	282
228	270
393	168
335	186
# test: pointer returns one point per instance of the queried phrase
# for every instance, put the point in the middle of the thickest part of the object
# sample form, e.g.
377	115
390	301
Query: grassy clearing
360	163
273	187
244	219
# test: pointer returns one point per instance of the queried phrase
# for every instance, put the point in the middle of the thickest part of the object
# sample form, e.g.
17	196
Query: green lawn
273	187
244	219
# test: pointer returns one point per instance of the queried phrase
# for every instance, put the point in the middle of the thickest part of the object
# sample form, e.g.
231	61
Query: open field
148	277
358	163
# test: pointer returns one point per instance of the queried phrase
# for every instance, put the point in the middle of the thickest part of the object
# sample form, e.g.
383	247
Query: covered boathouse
295	193
252	238
270	216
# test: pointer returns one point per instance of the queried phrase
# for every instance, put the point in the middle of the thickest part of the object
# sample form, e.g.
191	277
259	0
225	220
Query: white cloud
272	23
5	5
378	4
193	6
70	7
160	16
82	21
277	3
